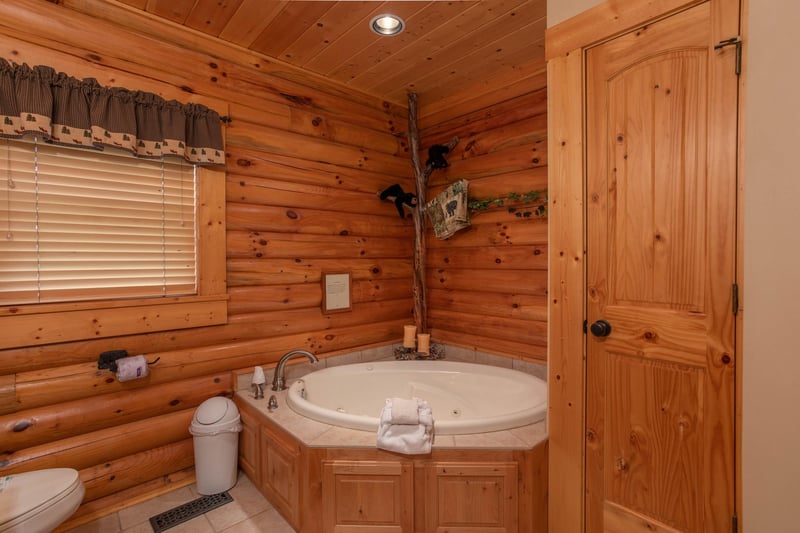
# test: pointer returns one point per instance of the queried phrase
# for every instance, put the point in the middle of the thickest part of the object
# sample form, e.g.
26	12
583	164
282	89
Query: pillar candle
408	336
424	342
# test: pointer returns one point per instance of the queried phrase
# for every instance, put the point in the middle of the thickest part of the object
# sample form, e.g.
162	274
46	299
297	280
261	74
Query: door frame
565	47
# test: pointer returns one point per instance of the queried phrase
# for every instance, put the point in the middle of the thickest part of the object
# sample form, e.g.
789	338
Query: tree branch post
421	174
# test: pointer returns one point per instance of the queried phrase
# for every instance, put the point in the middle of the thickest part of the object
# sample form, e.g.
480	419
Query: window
85	225
98	244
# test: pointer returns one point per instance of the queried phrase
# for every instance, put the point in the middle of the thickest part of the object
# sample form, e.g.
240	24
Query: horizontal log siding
487	284
305	161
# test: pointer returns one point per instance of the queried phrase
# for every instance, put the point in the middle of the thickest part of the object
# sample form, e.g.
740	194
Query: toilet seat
38	501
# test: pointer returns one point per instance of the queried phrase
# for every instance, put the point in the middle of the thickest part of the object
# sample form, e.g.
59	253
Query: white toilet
37	502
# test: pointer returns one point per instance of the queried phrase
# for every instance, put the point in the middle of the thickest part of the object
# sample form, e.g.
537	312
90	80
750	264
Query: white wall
771	433
771	358
560	10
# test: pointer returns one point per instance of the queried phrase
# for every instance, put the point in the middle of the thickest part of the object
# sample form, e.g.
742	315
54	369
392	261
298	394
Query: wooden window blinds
84	225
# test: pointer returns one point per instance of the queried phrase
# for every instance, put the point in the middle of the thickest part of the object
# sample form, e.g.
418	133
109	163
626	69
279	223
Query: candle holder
409	337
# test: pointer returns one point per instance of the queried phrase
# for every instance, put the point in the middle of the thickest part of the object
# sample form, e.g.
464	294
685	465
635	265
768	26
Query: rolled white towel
403	411
416	438
425	414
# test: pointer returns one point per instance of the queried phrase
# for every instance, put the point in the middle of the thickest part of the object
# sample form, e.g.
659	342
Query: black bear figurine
436	156
394	193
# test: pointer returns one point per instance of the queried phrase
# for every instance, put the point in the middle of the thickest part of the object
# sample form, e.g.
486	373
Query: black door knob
600	328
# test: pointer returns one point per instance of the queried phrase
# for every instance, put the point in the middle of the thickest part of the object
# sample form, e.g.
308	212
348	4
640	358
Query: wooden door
661	196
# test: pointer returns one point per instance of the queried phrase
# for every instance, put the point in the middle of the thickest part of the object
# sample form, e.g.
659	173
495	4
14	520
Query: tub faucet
279	378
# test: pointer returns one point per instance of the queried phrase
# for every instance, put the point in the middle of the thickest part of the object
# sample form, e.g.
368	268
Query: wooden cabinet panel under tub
249	450
322	481
280	462
368	496
468	497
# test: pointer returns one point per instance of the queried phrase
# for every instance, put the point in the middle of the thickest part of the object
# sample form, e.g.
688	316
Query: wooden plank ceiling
447	46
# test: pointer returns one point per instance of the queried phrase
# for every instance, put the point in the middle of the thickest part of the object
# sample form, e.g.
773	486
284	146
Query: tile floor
249	512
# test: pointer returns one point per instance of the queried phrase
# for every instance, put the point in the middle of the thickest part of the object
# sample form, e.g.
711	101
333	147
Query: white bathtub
464	397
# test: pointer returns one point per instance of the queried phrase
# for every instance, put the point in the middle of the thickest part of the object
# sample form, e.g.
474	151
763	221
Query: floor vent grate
187	511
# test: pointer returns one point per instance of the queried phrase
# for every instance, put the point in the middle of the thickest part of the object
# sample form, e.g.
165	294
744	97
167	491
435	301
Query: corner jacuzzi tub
464	397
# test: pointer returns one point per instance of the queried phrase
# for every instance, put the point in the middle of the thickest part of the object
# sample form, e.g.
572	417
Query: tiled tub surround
316	457
313	433
298	368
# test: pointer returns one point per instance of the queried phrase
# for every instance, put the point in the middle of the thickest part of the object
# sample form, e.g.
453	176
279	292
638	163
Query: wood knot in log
300	100
22	426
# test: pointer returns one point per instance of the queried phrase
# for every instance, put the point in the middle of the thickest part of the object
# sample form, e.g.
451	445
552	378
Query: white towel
403	411
414	438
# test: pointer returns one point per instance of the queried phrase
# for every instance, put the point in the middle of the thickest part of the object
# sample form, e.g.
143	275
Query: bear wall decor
395	193
436	156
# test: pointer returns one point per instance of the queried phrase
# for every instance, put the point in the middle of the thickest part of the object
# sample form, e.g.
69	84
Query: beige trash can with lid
215	426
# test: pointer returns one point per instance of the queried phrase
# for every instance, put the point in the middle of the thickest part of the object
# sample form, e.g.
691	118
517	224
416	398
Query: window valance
65	110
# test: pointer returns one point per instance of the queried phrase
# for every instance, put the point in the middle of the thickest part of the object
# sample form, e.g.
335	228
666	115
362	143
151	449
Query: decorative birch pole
421	174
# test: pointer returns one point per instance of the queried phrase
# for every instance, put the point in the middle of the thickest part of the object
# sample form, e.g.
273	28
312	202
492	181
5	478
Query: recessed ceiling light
387	24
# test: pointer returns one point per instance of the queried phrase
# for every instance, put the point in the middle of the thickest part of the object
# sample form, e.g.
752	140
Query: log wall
305	159
487	284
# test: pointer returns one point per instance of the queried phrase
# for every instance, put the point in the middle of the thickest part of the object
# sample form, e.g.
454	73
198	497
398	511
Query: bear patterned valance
65	110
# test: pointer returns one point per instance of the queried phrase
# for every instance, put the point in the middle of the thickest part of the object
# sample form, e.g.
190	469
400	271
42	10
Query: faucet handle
272	403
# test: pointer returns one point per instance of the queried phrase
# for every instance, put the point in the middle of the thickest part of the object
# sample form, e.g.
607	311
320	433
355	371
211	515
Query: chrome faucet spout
278	381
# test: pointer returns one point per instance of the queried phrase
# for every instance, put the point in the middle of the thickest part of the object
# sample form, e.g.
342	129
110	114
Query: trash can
215	427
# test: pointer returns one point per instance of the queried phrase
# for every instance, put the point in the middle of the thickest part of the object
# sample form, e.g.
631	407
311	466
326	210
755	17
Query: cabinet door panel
249	449
368	496
279	462
471	497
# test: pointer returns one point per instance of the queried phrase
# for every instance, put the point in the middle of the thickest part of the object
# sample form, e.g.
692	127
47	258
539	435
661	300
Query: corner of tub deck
320	435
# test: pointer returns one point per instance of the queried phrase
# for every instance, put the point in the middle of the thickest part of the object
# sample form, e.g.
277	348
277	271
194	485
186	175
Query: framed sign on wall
335	292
